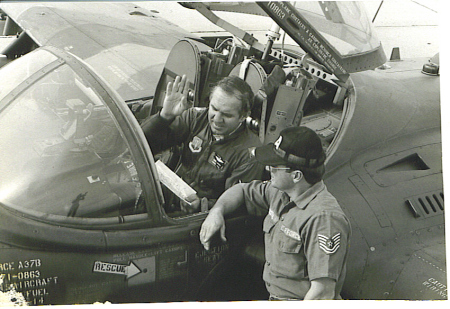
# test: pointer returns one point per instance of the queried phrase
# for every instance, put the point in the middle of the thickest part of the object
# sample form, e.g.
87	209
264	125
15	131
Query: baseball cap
296	146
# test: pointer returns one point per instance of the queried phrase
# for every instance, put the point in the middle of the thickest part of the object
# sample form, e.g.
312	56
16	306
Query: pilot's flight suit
210	166
305	239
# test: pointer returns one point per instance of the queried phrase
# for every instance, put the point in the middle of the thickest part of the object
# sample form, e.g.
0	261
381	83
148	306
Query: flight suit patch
217	161
196	144
329	245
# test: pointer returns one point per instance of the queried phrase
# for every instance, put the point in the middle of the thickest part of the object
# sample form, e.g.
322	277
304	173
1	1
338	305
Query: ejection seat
185	58
204	68
264	87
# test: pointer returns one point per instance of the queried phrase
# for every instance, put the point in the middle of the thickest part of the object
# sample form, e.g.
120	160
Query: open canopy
337	34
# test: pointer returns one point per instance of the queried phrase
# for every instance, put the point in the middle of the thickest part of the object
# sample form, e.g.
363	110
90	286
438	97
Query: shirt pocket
288	259
287	244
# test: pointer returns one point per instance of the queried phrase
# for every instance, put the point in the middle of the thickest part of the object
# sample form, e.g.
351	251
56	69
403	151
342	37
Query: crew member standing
306	232
216	143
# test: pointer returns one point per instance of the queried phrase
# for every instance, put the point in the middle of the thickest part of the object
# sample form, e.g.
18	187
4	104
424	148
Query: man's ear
297	176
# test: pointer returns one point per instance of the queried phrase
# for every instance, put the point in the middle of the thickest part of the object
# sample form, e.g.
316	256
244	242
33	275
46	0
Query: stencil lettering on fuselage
26	277
211	257
110	268
156	264
439	288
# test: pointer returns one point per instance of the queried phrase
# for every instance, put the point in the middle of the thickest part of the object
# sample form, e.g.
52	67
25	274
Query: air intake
412	162
427	205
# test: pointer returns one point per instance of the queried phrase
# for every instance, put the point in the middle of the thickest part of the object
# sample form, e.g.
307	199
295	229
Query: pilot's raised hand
213	223
175	101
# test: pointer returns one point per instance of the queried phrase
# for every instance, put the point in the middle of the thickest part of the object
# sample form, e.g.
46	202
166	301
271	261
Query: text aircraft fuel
83	213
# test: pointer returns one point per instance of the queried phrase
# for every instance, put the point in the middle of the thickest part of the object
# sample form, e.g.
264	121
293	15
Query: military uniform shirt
305	239
208	165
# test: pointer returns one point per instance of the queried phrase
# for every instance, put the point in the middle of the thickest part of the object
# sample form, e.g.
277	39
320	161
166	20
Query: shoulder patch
196	144
329	245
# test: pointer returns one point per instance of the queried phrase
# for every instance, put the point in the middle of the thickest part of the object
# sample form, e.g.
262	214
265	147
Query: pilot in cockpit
217	144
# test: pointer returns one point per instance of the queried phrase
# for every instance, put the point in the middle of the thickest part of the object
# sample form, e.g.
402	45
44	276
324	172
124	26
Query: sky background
411	25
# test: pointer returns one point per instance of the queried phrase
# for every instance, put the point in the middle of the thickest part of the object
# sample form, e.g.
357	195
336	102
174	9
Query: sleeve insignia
329	244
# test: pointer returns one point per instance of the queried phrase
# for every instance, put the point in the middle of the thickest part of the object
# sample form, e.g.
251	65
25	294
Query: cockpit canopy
63	152
336	34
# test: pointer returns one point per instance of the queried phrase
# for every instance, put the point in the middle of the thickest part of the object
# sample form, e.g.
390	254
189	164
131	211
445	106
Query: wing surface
125	44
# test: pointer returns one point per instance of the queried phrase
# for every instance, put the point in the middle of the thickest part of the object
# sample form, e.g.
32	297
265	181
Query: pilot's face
224	112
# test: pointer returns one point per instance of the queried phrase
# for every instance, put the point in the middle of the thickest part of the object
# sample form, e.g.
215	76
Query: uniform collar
232	135
304	199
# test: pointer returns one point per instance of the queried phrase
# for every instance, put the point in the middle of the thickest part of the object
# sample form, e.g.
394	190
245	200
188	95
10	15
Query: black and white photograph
165	152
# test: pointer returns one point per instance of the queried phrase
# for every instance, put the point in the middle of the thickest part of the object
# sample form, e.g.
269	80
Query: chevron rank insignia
329	244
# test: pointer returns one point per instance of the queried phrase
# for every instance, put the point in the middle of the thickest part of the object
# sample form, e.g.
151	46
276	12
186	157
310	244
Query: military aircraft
83	216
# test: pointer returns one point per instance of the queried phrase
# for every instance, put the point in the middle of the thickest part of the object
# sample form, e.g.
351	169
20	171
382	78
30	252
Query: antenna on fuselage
377	11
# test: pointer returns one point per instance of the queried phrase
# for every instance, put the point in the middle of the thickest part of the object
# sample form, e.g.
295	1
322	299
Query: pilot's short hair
234	85
312	175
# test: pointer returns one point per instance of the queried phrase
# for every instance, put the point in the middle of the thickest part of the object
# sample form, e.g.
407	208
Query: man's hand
175	101
191	205
213	223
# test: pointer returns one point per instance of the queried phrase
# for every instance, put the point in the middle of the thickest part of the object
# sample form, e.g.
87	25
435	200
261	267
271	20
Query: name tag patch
273	216
217	161
290	233
329	244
